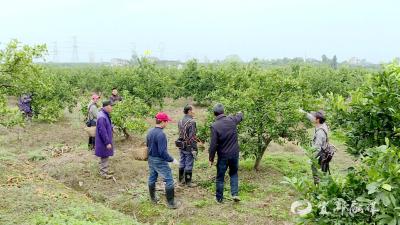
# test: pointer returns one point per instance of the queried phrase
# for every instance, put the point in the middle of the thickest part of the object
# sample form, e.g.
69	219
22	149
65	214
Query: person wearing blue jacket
158	160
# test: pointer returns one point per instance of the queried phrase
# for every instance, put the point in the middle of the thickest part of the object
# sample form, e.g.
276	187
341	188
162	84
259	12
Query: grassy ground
47	175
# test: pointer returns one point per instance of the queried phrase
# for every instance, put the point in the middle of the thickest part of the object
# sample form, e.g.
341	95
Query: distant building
354	61
170	63
119	62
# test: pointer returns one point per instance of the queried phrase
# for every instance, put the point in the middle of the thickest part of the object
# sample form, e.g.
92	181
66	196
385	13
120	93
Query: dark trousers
324	166
222	167
92	140
186	160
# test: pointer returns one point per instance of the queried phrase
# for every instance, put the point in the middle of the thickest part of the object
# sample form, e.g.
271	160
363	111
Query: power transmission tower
188	57
74	50
134	56
133	47
92	57
55	52
161	49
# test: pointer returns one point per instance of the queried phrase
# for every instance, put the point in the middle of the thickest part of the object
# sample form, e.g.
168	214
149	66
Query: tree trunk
258	161
126	134
261	154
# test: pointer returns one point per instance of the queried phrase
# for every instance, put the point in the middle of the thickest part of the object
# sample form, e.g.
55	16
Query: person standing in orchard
320	143
158	160
92	118
104	139
115	98
187	145
224	142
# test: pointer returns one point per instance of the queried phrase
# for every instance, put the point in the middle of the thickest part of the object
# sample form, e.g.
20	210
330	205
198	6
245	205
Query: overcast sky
212	29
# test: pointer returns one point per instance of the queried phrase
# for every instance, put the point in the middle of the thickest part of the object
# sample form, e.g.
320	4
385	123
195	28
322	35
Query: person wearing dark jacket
24	104
115	98
224	143
104	147
158	160
187	135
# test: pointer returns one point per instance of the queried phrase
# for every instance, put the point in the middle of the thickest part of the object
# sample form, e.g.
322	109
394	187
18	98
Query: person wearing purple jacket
24	105
104	147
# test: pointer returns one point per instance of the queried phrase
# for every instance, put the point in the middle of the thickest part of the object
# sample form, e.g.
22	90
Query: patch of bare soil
71	163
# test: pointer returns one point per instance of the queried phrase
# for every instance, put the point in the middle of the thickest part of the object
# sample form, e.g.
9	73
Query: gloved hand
194	153
175	162
302	111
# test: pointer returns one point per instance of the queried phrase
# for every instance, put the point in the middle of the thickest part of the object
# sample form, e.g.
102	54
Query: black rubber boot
181	175
152	191
170	194
188	179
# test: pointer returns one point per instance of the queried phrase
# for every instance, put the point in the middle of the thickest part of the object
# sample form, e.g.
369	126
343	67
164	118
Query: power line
55	52
161	49
92	57
74	50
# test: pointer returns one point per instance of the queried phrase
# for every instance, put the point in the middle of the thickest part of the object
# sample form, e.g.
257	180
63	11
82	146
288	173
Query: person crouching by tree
158	160
187	145
224	142
320	143
24	105
104	147
115	98
91	119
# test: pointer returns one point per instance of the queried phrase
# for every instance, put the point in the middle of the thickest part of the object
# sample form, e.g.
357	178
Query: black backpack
89	122
329	152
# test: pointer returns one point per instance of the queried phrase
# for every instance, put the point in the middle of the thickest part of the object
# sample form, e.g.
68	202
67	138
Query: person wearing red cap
158	160
91	119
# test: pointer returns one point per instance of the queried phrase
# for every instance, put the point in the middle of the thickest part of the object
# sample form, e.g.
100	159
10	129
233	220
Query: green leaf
393	222
387	187
372	187
384	199
387	141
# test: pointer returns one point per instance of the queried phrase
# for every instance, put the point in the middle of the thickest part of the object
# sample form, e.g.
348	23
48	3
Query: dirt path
265	199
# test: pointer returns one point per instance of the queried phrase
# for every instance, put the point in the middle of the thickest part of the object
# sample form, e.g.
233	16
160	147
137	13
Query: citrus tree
17	70
20	75
372	113
270	107
9	116
204	82
323	80
130	115
366	194
189	80
51	93
270	104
